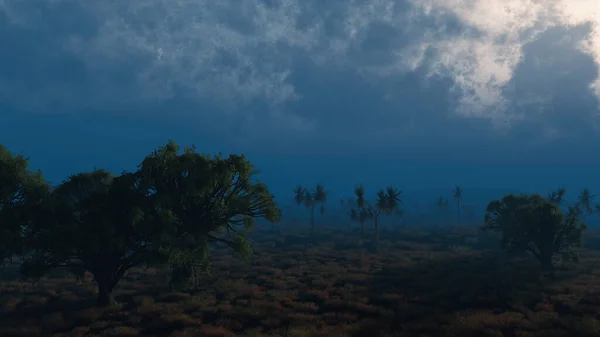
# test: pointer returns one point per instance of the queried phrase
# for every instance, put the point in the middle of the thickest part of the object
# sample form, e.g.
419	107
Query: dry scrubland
418	284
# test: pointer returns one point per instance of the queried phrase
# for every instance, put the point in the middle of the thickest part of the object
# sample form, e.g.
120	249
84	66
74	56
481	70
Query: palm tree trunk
312	220
458	210
376	226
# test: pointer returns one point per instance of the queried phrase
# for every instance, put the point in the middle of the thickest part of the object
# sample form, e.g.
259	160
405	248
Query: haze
493	95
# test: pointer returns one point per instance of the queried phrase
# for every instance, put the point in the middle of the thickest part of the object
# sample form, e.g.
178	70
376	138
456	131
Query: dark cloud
371	75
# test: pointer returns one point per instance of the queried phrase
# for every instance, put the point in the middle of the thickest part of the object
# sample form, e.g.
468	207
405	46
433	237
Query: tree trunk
312	220
546	262
105	296
376	226
458	210
362	228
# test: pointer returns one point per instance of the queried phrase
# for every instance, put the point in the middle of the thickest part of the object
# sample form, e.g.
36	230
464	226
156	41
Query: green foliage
21	190
169	211
205	196
388	202
536	225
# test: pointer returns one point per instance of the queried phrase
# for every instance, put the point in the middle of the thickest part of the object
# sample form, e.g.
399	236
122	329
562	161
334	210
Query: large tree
531	223
21	190
311	199
93	222
212	199
388	201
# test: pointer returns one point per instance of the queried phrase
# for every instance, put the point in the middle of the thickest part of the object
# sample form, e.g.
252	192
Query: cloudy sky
419	93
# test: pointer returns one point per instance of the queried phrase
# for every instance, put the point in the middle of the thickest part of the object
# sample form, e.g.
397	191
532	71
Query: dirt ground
418	283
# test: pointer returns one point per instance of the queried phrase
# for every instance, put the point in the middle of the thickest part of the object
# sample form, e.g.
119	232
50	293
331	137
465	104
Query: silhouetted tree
388	202
584	202
92	222
469	213
557	196
361	215
311	199
582	206
20	191
536	225
442	205
457	196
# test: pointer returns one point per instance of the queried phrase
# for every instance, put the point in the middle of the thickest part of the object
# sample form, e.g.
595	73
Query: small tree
311	199
388	201
457	196
530	223
441	205
361	215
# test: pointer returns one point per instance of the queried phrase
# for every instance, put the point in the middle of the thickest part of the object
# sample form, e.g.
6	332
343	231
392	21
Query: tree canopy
311	198
388	201
531	223
20	191
169	210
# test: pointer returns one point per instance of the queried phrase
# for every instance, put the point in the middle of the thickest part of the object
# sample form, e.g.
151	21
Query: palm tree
361	215
457	196
585	200
388	201
310	199
442	204
557	196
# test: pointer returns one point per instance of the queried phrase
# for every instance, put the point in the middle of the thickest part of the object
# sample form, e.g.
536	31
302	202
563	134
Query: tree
468	212
311	199
20	191
211	199
458	195
442	204
93	222
557	196
388	201
361	215
584	202
530	223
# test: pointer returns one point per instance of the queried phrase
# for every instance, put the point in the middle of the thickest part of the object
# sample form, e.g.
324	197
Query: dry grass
418	284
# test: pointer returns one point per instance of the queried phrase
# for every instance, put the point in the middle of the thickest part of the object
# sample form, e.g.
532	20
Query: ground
419	283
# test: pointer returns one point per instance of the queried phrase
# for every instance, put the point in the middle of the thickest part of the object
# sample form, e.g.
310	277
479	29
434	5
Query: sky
421	94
